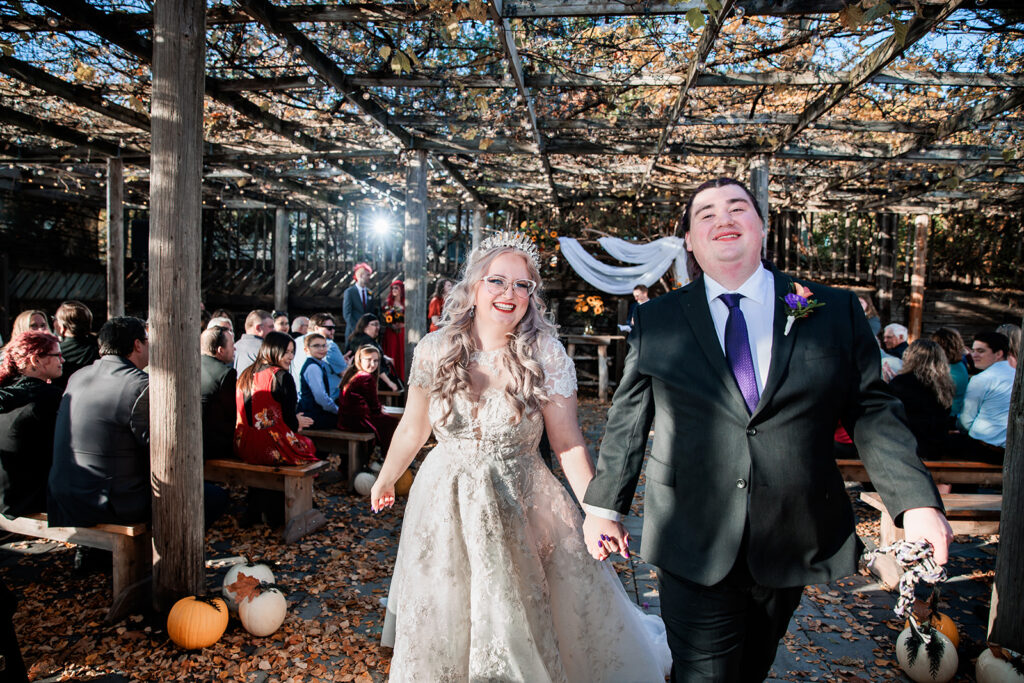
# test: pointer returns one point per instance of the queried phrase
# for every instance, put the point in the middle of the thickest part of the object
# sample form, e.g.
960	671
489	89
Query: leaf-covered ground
336	577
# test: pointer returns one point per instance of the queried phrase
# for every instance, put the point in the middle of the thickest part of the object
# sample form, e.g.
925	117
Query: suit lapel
782	344
698	315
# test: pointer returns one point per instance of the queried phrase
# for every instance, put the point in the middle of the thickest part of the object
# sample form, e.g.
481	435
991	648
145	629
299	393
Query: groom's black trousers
725	632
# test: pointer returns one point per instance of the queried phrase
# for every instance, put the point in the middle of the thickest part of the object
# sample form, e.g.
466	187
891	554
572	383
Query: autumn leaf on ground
245	587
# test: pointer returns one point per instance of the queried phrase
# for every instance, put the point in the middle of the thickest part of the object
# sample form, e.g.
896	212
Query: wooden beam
873	63
915	309
174	261
58	132
515	67
115	238
712	27
524	9
415	253
760	170
282	249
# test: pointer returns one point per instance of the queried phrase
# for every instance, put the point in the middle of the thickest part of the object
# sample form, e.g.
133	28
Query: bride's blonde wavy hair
525	389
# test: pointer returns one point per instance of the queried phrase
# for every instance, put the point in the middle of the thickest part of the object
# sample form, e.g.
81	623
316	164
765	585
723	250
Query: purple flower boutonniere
799	304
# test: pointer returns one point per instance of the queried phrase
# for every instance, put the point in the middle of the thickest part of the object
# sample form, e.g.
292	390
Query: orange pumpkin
404	483
944	625
197	622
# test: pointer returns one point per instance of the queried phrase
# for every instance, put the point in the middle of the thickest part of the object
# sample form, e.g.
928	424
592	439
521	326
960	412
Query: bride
493	581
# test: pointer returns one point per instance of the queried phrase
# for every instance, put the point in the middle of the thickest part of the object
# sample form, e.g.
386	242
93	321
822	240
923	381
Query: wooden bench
968	513
942	471
130	544
300	518
355	445
391	398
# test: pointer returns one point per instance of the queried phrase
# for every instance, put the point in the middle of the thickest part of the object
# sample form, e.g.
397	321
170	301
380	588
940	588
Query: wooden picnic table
601	342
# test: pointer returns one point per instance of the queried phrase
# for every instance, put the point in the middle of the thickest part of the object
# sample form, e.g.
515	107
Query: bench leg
133	564
602	373
887	531
358	457
299	516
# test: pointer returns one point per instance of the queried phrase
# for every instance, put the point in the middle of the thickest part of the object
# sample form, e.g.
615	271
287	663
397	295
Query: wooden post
1007	627
759	186
115	238
916	308
176	201
479	221
415	252
282	248
886	224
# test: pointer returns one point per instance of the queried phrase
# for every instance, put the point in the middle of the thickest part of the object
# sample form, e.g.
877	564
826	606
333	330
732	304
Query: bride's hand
381	496
604	537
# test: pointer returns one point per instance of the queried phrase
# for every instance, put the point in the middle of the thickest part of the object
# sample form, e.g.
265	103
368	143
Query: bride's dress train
492	580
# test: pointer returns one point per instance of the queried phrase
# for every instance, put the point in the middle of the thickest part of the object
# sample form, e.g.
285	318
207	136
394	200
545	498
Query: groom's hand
931	525
604	537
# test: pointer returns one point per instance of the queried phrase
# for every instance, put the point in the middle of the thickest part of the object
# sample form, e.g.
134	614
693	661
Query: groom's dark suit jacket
715	468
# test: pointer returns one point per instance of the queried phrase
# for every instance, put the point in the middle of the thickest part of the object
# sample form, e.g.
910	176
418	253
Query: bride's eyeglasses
499	284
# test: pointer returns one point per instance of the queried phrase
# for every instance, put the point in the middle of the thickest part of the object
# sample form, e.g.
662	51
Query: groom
744	504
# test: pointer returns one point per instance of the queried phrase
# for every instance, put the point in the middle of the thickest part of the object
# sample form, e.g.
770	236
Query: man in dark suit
744	504
100	472
217	390
358	300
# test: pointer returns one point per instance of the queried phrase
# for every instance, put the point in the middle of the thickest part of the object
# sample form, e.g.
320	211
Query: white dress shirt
986	410
758	307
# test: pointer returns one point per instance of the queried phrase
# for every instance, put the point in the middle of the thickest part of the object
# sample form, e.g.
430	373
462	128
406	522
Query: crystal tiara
516	240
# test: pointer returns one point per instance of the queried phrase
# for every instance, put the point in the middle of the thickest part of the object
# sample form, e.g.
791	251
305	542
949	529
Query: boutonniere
799	304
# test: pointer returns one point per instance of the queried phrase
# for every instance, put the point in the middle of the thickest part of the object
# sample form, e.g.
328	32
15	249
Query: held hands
304	421
604	537
931	525
381	495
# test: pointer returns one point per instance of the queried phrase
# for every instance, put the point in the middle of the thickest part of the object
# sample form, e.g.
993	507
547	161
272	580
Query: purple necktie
737	351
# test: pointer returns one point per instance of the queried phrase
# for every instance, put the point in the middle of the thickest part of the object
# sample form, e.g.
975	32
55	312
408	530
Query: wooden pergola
905	106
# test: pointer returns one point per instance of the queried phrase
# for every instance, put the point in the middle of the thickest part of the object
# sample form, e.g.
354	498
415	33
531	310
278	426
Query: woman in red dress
359	408
436	307
267	426
393	342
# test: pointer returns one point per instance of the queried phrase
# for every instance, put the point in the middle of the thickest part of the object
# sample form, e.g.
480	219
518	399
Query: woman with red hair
28	413
393	343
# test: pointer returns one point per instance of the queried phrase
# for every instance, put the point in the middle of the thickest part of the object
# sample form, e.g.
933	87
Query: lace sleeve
559	370
422	371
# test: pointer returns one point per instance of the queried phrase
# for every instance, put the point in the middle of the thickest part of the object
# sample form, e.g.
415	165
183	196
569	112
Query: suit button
751	431
741	483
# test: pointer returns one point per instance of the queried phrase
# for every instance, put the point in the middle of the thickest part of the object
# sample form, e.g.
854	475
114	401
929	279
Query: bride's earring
472	311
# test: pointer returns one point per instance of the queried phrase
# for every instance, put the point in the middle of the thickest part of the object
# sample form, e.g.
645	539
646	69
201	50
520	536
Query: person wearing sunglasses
492	548
28	412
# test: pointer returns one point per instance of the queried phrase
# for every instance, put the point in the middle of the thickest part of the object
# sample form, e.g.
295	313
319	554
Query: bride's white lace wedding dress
492	580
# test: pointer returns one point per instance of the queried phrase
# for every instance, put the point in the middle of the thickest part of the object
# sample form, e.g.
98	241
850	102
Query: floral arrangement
800	304
547	244
393	315
591	306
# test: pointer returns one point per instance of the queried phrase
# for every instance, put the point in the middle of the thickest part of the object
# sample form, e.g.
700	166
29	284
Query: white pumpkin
263	614
992	669
260	572
936	662
363	483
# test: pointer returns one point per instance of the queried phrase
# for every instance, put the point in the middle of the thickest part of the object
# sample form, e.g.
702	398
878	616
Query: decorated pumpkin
403	484
925	654
262	610
945	625
363	483
197	622
260	572
999	665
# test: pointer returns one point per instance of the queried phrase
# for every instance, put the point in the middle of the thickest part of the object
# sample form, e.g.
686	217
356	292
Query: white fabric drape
652	259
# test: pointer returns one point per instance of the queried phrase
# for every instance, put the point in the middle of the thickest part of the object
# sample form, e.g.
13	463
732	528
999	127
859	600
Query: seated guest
222	322
987	402
953	346
34	320
300	326
100	472
314	400
926	389
367	333
1012	333
267	426
217	390
895	339
73	324
324	325
257	324
28	412
281	321
359	405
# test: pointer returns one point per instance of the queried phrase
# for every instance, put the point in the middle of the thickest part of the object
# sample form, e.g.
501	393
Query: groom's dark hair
684	222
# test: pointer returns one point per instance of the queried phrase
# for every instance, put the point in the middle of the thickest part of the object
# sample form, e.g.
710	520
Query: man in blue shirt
987	401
